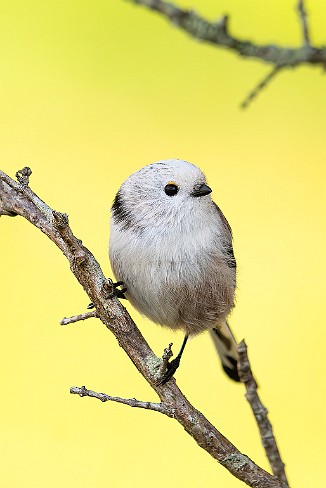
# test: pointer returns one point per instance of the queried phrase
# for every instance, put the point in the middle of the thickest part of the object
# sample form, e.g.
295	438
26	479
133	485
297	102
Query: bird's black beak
201	190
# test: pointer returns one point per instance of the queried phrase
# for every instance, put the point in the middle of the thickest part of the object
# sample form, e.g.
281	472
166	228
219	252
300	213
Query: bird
171	248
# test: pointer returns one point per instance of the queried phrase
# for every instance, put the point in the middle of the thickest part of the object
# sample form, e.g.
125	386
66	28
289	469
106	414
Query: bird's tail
226	346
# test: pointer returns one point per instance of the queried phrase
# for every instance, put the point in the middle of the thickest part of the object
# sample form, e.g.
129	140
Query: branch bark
132	402
78	318
304	22
261	86
16	198
261	414
218	33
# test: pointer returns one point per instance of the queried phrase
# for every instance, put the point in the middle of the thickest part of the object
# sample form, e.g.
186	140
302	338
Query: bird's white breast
175	274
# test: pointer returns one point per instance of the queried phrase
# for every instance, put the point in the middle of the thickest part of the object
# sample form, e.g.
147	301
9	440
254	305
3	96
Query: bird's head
162	192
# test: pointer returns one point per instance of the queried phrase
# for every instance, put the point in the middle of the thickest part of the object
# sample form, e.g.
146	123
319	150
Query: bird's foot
119	293
171	368
115	292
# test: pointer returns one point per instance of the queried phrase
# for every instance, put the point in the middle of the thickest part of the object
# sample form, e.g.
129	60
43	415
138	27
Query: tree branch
304	22
132	402
167	355
261	85
260	413
18	198
77	318
217	33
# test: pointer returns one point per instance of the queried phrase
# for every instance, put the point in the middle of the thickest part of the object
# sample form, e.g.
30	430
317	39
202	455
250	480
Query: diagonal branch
18	198
261	85
260	413
218	33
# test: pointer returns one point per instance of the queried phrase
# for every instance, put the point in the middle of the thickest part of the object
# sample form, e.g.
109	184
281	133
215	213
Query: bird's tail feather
226	346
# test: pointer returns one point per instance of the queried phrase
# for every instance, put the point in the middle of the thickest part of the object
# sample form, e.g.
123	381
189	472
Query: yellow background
91	91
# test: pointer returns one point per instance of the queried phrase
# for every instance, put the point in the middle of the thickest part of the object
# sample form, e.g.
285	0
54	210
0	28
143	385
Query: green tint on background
90	92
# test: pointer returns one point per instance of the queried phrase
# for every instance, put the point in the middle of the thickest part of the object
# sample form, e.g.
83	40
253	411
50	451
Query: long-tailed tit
171	246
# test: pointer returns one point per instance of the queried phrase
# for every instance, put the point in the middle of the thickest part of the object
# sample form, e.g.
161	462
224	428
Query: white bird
171	246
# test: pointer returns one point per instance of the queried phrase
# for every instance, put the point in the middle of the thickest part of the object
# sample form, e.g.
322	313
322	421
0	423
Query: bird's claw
119	293
115	293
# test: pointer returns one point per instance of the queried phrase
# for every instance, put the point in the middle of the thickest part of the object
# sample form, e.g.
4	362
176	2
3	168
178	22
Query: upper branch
218	33
18	198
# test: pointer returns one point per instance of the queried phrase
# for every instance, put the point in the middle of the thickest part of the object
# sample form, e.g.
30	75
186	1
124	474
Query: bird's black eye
171	189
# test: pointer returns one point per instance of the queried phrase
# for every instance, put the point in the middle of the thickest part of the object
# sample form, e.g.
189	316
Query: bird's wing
228	247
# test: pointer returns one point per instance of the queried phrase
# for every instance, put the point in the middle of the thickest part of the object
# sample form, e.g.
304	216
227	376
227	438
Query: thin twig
260	413
304	22
253	94
77	318
132	402
14	198
23	175
167	354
